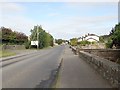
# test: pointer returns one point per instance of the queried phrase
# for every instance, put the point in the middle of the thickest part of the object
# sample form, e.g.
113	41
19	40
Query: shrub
27	45
109	44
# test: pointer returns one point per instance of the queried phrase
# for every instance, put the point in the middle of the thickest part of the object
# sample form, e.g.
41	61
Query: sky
61	19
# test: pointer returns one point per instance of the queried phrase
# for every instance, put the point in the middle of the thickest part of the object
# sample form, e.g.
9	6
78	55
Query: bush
93	42
73	41
109	44
83	43
114	37
27	45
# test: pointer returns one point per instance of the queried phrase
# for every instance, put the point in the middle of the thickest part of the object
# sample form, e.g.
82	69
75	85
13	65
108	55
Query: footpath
76	73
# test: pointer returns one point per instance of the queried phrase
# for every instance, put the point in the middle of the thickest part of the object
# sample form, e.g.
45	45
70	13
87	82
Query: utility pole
37	37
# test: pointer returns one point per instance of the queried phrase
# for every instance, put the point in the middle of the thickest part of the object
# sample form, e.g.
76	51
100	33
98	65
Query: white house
92	38
89	37
80	39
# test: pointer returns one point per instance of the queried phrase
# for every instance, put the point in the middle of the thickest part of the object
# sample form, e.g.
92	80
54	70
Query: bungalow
89	37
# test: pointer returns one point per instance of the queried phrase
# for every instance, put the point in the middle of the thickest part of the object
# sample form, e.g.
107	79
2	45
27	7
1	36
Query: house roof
87	36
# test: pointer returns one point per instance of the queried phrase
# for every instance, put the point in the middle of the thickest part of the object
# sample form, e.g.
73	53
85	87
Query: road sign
34	43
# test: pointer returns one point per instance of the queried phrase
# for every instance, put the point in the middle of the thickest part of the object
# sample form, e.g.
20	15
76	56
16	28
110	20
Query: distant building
92	38
54	42
80	39
89	37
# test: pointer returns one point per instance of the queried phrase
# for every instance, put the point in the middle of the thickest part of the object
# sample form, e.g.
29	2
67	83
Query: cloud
95	20
11	17
72	22
8	8
77	26
61	27
18	23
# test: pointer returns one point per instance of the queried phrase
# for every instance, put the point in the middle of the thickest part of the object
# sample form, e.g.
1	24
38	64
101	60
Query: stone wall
12	47
107	69
109	54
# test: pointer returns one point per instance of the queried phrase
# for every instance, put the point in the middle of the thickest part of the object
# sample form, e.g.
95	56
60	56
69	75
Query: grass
40	48
6	53
56	83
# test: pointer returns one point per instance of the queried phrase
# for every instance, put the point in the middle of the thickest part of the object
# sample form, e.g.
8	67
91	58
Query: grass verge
6	53
57	80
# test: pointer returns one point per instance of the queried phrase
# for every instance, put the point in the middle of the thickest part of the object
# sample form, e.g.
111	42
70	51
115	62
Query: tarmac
76	73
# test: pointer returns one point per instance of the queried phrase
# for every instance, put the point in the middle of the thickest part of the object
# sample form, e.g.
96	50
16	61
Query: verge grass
6	53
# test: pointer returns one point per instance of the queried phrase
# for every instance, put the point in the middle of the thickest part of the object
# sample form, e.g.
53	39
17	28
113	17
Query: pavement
76	73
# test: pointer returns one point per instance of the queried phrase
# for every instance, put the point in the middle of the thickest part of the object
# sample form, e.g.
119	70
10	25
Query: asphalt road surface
77	73
39	70
30	70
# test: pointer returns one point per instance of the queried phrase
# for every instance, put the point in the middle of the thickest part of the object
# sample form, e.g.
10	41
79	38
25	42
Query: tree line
61	41
7	36
10	37
75	42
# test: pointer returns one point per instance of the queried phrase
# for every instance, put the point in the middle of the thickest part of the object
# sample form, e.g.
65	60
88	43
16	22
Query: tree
12	37
73	41
104	38
114	38
45	39
58	41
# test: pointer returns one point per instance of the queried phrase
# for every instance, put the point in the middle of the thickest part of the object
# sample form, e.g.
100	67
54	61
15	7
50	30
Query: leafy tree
73	41
45	39
109	43
58	41
114	38
104	38
10	37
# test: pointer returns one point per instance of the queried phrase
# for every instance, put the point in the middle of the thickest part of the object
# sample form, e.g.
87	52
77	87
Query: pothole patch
52	78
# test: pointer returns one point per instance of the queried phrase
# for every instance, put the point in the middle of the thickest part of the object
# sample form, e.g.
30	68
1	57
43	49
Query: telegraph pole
37	37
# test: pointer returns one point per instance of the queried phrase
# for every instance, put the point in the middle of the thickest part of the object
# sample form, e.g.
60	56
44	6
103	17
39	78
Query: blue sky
62	19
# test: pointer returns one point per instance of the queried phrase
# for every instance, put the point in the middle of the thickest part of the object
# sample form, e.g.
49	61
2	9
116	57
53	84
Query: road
38	70
31	70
